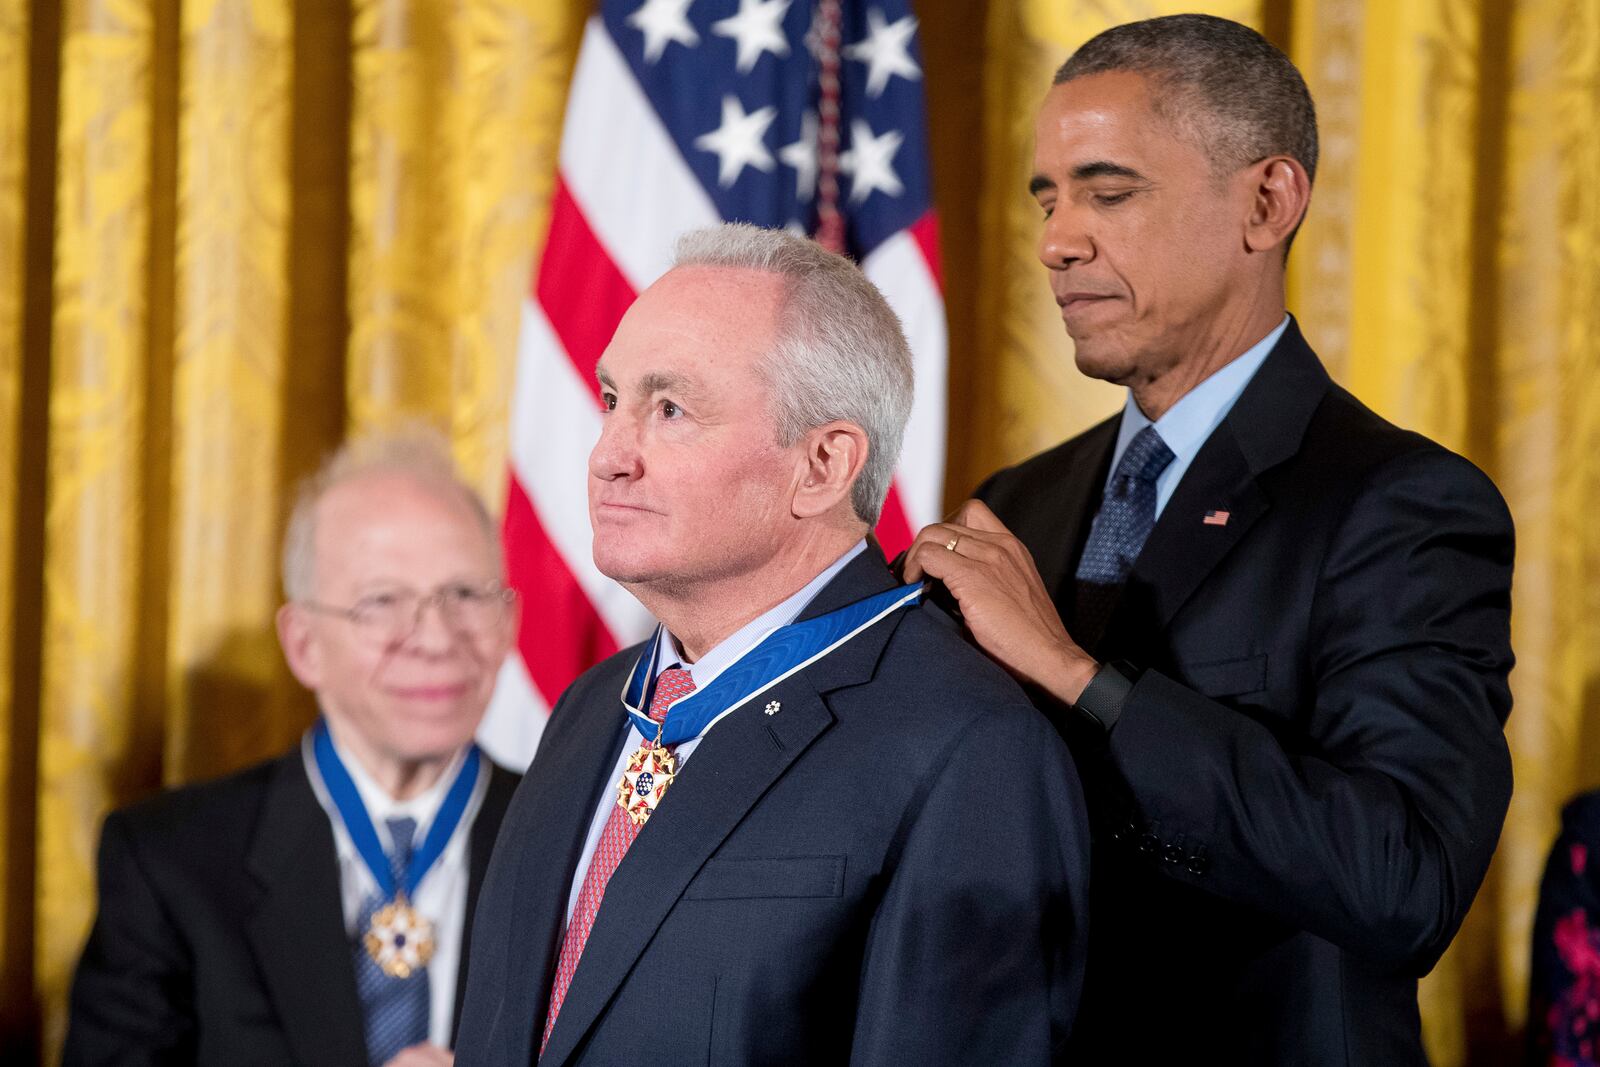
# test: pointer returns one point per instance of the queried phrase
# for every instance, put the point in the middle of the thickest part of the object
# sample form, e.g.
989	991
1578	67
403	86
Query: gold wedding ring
950	545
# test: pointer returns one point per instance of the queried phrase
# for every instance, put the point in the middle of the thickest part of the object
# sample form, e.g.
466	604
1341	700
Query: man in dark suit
1273	626
872	848
316	909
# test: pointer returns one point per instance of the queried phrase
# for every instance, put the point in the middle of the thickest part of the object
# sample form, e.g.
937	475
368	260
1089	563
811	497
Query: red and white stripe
611	235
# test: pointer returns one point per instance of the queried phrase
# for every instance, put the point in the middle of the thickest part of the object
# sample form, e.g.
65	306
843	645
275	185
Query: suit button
1198	863
1148	842
1173	854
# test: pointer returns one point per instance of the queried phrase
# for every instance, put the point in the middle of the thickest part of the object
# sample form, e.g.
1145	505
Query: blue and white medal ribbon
400	939
776	656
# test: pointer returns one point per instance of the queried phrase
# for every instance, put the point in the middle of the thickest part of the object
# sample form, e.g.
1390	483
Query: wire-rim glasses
392	615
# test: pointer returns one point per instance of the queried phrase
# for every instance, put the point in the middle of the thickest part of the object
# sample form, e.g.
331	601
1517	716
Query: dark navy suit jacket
889	870
1302	794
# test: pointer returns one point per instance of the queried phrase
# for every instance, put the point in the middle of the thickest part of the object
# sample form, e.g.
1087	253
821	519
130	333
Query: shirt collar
728	651
1187	424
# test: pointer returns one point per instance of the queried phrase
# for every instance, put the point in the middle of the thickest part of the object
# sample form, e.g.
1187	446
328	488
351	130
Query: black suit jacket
1305	786
890	869
220	936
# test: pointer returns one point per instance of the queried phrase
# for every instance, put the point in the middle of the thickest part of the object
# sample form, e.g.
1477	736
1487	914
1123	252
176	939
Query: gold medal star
650	770
400	939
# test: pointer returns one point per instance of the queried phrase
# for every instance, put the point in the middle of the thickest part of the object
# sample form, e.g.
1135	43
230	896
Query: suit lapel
1264	428
1182	548
297	930
1069	518
733	767
570	773
485	827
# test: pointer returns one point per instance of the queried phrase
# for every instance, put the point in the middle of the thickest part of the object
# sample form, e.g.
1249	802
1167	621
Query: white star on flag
813	37
802	156
662	21
869	161
738	141
884	51
757	28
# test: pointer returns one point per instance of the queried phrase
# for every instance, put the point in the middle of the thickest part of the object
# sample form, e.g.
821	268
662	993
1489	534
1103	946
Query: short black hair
1223	83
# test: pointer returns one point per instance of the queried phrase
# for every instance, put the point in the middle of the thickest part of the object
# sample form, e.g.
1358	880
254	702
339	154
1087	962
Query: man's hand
1003	600
423	1055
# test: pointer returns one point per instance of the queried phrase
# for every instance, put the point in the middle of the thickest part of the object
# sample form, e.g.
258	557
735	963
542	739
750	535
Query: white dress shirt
726	653
1190	422
442	895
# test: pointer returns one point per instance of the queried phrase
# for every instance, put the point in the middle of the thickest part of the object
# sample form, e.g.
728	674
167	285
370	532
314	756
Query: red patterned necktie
618	834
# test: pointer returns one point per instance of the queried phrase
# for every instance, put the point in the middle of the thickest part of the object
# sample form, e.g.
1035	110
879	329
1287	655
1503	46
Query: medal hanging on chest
400	939
653	765
644	782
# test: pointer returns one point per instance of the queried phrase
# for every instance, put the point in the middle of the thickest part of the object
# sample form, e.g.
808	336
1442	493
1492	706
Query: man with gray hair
315	909
1273	626
805	822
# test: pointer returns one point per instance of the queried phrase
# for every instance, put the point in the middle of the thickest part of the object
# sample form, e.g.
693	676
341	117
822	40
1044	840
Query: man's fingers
949	538
976	514
929	560
423	1055
979	521
953	536
933	537
916	566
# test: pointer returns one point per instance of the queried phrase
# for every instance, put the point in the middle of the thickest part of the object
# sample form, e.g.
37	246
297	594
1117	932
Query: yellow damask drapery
232	231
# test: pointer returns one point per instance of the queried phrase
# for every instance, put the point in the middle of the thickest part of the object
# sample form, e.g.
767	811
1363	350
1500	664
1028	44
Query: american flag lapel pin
1215	517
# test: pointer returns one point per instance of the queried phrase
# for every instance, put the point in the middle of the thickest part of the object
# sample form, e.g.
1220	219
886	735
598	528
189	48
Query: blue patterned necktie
395	1010
1126	516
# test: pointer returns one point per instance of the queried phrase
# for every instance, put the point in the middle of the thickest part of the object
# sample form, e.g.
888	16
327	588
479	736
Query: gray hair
1236	95
416	452
839	351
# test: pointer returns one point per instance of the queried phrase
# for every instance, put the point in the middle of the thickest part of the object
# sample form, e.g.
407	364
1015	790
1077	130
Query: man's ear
299	646
834	454
1281	192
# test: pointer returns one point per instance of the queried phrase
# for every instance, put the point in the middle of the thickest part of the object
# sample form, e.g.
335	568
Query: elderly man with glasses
316	909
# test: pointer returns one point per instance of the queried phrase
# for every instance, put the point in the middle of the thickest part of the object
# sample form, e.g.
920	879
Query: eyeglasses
393	615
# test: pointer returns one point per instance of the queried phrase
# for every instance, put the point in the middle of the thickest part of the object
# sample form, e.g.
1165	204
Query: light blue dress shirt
1190	422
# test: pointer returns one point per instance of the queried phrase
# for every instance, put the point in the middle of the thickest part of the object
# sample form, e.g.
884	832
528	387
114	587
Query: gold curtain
233	230
264	223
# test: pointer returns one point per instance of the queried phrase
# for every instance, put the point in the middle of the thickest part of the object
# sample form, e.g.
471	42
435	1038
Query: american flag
805	114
